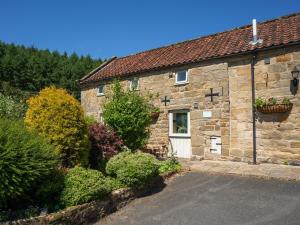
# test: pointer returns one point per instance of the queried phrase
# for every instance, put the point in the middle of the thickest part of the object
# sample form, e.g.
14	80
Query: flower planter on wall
278	108
154	115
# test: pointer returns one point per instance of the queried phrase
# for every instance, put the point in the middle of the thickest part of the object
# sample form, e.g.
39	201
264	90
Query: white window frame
171	134
182	82
138	84
103	90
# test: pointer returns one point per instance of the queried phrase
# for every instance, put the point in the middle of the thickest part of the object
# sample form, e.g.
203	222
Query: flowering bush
104	143
12	108
58	116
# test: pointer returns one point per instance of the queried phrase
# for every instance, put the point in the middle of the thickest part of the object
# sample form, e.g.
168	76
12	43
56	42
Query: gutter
254	42
253	61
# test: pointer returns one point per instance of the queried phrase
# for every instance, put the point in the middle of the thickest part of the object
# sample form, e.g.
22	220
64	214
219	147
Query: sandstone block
295	144
283	58
277	68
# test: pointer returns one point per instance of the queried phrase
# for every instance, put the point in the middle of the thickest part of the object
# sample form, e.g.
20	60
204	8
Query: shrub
128	113
104	144
169	165
58	116
89	120
12	108
49	190
133	169
10	215
83	185
24	159
114	184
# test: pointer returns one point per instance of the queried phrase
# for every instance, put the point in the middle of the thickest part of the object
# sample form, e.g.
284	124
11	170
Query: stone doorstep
264	170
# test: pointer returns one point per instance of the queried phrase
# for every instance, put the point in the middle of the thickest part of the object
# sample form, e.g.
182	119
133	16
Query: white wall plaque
207	114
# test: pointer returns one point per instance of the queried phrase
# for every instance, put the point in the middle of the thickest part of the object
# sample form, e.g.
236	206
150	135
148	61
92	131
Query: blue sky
107	28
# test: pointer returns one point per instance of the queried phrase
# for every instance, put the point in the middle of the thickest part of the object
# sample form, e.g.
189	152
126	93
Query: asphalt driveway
206	199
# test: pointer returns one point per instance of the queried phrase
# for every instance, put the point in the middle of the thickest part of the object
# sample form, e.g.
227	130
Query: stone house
207	87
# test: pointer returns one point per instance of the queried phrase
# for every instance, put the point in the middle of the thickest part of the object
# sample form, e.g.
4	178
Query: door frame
178	136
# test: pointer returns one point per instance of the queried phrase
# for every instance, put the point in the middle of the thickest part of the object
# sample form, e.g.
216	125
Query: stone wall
240	110
278	134
202	77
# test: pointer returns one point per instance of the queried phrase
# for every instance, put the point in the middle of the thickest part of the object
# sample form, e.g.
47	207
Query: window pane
181	76
101	89
180	123
134	83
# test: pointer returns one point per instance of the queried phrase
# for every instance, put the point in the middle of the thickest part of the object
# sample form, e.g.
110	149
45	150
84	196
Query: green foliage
286	101
7	90
155	110
169	165
49	190
12	108
272	101
24	159
11	215
30	69
89	120
133	169
83	185
58	116
114	184
128	113
260	102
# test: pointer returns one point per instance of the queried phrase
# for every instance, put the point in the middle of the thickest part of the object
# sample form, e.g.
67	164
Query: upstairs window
134	84
100	90
181	77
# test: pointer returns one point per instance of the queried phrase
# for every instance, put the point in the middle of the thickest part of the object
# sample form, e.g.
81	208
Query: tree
30	69
58	116
128	113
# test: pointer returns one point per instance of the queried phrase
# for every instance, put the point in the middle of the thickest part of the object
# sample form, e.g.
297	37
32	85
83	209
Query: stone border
91	212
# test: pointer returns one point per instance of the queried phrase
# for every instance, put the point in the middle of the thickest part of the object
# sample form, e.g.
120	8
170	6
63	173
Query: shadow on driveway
210	199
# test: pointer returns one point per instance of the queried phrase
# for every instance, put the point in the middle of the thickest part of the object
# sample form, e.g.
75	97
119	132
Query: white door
180	134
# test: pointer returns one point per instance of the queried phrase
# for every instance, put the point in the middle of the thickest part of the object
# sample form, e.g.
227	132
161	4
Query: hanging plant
272	106
154	114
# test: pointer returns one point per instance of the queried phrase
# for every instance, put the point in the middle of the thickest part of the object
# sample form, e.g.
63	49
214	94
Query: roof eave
96	69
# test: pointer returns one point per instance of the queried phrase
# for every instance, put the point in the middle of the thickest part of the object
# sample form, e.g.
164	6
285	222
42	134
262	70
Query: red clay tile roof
281	31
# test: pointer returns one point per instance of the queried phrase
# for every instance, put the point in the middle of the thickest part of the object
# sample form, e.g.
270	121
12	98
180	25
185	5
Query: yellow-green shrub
58	116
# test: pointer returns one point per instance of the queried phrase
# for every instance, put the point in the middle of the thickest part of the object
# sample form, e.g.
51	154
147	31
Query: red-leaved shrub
105	143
